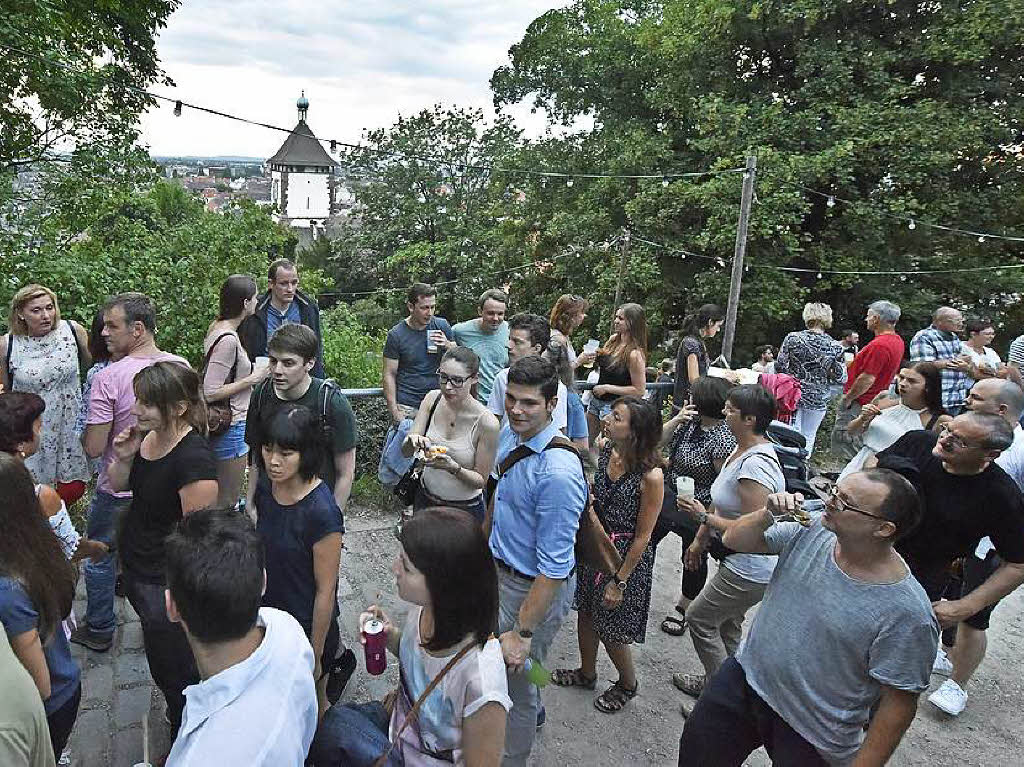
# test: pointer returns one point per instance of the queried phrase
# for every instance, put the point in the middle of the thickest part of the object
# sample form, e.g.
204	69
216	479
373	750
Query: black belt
509	569
512	571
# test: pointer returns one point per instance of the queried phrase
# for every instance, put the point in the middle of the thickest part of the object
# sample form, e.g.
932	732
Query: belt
511	570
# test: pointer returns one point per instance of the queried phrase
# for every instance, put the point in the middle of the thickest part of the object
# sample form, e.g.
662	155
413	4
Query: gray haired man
871	372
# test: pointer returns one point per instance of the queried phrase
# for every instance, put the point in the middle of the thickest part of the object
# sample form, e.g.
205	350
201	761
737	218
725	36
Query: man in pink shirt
129	322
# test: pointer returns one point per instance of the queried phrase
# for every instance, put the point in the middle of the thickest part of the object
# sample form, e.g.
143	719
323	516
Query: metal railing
580	385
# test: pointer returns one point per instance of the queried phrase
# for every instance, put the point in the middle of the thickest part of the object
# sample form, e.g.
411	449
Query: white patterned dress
48	366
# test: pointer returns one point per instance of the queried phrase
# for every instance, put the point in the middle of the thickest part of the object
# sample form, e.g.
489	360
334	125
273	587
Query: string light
912	224
831	201
569	182
177	109
664	182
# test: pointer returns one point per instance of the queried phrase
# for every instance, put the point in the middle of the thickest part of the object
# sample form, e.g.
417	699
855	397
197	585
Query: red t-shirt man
881	358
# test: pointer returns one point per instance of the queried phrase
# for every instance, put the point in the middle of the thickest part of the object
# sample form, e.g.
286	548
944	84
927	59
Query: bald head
997	396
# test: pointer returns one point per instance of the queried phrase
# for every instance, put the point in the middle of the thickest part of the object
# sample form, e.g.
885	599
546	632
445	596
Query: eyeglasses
457	382
953	440
842	505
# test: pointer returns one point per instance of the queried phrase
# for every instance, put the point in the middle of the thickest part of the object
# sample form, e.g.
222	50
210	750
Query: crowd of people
219	500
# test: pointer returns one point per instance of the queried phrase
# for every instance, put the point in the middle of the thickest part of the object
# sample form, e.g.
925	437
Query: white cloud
361	64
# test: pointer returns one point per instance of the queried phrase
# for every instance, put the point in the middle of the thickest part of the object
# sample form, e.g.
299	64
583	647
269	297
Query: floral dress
618	505
48	366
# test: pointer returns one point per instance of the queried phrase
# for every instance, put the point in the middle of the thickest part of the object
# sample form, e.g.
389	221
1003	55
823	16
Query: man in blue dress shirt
532	531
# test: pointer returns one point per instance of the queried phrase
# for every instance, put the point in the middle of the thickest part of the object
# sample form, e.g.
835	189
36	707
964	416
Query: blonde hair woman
43	355
813	358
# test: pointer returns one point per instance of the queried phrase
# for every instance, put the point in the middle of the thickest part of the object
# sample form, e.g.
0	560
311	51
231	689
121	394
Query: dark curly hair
641	453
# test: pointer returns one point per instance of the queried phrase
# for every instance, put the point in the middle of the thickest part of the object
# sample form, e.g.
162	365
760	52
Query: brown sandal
573	677
613	699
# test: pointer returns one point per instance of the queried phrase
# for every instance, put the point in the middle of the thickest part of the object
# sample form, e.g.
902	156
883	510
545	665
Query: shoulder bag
409	484
594	547
218	413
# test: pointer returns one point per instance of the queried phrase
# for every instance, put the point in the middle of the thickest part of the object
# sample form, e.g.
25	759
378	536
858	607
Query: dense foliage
72	73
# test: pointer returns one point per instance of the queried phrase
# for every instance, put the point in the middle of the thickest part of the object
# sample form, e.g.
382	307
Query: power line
911	221
179	104
573	250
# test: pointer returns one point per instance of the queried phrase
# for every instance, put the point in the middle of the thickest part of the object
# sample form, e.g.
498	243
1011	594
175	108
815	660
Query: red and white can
375	647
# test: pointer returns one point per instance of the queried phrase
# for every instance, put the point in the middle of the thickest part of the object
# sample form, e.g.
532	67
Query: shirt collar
220	690
282	315
540	440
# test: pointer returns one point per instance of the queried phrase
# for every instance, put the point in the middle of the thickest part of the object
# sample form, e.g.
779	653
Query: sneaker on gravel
691	684
84	636
942	665
950	697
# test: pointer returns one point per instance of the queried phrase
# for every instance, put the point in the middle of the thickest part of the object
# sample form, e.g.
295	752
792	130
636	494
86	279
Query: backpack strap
7	362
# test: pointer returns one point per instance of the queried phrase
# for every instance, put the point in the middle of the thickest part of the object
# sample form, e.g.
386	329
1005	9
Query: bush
352	356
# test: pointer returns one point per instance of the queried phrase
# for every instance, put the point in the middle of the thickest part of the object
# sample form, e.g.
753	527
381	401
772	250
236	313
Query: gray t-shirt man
822	643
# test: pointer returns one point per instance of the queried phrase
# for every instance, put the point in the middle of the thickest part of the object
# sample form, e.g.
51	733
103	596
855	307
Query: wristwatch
525	633
621	584
702	518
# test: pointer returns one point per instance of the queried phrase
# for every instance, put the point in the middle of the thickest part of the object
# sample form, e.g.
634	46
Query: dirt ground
646	732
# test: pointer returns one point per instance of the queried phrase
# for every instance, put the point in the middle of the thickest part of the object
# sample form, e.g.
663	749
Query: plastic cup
261	362
684	487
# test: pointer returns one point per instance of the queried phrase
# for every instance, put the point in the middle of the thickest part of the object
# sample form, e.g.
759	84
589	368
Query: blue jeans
104	514
522	719
354	735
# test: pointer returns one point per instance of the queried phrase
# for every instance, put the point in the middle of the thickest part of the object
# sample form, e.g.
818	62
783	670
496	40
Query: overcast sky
361	64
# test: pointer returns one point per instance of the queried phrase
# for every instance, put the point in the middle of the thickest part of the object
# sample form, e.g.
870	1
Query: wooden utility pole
737	259
622	270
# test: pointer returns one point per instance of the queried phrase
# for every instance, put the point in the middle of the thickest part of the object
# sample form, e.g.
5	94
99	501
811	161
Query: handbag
415	710
409	484
218	414
594	547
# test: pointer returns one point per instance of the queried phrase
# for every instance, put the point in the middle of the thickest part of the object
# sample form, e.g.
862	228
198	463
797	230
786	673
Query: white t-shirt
759	464
261	711
496	402
435	737
988	358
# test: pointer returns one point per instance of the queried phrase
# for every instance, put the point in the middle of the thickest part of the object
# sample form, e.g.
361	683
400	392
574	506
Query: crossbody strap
206	361
415	710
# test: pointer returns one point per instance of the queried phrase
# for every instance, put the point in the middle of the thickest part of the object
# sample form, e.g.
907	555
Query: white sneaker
950	697
942	665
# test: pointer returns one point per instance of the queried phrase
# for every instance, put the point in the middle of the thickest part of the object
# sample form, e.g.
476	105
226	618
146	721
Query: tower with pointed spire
303	179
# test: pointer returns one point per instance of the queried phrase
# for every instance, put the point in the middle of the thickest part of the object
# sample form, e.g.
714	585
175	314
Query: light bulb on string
569	182
664	182
912	224
981	238
820	275
720	262
831	201
334	147
177	109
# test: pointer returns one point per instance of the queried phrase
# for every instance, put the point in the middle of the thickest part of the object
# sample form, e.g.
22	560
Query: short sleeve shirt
434	738
491	348
289	534
111	400
692	452
758	464
341	422
933	344
1015	356
823	644
156	505
958	510
880	358
18	615
689	345
417	370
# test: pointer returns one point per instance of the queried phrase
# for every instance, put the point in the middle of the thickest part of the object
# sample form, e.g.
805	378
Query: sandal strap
617	696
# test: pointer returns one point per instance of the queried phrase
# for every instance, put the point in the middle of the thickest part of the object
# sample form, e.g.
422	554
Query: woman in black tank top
621	364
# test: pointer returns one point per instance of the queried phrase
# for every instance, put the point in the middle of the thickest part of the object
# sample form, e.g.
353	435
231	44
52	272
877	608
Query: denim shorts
230	444
600	407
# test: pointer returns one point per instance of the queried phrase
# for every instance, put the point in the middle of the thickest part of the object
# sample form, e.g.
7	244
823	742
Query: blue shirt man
532	529
940	344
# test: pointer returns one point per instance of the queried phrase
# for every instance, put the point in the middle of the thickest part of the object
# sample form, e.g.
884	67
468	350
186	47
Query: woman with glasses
884	420
458	436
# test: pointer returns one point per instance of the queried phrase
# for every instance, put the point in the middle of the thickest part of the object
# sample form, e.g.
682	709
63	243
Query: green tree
900	107
72	73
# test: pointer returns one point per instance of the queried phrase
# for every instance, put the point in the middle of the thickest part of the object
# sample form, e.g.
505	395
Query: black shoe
542	717
341	671
84	636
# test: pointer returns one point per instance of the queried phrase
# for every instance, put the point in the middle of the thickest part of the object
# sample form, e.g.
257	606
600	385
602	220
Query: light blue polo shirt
537	506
